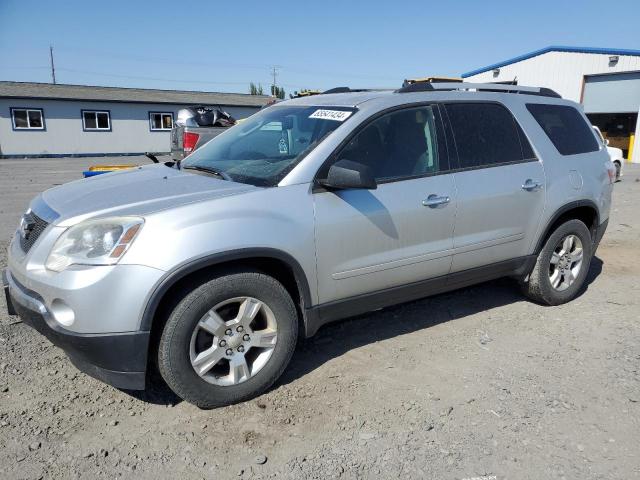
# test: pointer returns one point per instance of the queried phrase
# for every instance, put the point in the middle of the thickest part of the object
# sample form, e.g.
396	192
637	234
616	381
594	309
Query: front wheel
562	265
228	340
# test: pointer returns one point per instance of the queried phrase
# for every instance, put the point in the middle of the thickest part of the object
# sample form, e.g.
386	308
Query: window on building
565	127
402	144
160	120
27	118
486	134
96	120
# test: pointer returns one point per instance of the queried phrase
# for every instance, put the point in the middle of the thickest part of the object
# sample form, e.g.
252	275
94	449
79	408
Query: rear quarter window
565	127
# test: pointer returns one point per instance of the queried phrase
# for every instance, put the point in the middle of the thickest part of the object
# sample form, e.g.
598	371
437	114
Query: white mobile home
39	119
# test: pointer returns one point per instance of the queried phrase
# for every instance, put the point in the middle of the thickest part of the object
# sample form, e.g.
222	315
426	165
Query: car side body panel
368	240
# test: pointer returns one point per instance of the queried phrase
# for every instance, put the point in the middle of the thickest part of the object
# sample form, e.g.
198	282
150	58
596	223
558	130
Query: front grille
31	228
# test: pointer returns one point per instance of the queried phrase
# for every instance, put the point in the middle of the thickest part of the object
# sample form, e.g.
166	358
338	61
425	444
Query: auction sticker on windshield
337	115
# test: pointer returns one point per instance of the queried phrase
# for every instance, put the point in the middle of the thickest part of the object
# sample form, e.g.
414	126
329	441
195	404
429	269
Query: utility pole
53	68
274	72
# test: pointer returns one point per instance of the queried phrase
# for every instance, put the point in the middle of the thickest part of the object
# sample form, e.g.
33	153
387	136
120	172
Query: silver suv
310	211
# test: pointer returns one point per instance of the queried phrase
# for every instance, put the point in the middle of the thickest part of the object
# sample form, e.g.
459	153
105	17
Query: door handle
531	186
433	200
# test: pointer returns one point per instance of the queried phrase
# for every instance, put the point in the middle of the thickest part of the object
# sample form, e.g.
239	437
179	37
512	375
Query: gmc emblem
26	226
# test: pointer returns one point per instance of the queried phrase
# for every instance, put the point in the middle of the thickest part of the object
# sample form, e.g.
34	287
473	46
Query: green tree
278	92
255	89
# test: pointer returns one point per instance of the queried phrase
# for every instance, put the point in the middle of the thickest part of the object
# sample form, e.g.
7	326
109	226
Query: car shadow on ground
337	338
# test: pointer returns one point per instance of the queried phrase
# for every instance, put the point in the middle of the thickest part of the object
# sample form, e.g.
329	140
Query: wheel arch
281	265
584	210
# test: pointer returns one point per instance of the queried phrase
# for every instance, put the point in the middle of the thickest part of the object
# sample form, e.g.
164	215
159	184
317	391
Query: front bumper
119	359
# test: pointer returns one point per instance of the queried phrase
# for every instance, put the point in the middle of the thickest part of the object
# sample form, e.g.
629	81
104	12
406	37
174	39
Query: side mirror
346	174
606	142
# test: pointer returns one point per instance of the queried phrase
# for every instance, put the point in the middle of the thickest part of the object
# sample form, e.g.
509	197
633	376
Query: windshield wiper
210	170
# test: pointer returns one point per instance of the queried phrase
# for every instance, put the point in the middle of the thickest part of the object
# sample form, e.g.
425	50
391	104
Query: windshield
266	146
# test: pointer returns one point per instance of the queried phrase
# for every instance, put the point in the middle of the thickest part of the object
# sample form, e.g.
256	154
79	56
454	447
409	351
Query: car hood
141	191
614	153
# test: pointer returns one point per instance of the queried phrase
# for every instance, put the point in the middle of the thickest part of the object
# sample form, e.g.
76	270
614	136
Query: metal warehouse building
40	119
606	81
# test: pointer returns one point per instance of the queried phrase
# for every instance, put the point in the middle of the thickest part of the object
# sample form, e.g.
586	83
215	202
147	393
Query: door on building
611	102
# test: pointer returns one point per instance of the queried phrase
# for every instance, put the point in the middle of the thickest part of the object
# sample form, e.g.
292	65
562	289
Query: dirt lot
473	383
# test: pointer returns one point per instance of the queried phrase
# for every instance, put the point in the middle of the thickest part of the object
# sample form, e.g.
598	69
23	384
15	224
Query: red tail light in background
189	140
611	170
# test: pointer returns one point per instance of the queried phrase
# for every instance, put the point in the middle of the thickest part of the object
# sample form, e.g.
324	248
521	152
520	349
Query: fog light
62	312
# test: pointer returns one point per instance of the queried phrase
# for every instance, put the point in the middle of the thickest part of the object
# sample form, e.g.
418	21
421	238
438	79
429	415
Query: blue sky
222	46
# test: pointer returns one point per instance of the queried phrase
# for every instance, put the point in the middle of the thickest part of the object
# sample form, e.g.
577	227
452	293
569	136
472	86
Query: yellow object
110	168
410	81
632	140
306	93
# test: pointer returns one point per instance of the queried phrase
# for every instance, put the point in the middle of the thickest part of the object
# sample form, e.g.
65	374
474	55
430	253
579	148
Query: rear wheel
562	265
228	340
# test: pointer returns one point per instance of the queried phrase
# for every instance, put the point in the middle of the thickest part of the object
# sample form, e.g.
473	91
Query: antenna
53	68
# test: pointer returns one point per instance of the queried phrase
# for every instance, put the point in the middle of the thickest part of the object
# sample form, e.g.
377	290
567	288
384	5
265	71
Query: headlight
94	242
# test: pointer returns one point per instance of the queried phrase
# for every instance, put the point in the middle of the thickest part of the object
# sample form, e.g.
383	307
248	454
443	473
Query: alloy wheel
233	341
566	262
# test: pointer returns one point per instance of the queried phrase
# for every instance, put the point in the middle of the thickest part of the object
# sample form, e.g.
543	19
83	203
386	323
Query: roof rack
478	87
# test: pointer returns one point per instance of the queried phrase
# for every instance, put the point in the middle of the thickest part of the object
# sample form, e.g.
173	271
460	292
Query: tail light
611	170
189	140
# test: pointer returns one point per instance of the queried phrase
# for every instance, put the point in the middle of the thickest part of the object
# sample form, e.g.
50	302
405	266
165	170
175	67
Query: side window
400	144
486	134
93	120
27	118
565	127
159	121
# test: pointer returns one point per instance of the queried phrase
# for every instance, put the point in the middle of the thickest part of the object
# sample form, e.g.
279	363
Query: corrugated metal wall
560	71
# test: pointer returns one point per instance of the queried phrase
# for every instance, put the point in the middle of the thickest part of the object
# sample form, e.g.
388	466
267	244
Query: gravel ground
473	383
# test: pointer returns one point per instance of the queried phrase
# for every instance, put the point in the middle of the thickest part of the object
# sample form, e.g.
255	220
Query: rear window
486	134
565	127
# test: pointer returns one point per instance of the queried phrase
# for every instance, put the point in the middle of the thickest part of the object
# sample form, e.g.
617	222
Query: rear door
500	182
401	232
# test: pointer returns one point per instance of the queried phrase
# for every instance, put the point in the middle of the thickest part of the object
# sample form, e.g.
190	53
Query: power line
135	77
301	71
24	67
160	60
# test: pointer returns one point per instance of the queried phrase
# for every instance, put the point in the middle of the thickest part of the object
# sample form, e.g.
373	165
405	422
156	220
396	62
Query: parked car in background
195	126
312	210
615	154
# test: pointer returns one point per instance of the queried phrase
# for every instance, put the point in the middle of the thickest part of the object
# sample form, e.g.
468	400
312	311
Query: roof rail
478	87
345	90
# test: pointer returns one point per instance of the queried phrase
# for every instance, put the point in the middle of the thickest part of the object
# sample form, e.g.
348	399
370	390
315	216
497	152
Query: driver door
402	232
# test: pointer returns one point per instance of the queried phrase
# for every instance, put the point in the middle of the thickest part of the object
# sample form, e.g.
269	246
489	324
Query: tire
618	166
539	286
192	330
